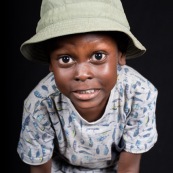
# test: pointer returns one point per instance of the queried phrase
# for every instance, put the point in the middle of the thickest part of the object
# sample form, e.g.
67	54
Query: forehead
92	38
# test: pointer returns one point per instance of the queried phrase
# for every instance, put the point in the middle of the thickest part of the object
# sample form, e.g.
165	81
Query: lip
86	94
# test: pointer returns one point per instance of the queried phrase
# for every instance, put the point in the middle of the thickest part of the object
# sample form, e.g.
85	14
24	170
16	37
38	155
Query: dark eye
98	56
65	59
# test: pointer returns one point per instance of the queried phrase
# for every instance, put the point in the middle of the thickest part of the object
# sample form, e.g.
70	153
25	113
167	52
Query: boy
92	112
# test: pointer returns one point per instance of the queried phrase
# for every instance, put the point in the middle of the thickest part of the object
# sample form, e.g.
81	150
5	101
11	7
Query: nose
83	72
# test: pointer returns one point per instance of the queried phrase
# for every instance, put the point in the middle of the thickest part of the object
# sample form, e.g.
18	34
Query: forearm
128	171
45	168
129	163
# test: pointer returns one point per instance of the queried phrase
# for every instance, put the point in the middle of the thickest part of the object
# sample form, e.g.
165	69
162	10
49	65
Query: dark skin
85	70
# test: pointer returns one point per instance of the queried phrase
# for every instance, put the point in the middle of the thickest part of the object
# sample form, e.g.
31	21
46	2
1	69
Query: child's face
85	68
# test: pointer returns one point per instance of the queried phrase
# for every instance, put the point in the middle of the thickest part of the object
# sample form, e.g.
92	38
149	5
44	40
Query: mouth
86	94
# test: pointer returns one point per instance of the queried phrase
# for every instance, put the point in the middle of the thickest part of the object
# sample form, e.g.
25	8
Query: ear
50	67
122	59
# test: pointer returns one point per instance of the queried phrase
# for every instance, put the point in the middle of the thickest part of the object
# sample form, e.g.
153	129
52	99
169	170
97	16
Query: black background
151	22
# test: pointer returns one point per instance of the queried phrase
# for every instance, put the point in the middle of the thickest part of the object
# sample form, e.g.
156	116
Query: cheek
62	79
108	75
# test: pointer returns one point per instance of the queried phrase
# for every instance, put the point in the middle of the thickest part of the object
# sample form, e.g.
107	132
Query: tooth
87	92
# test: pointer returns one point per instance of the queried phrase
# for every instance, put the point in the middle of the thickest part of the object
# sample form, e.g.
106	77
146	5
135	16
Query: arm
45	168
129	162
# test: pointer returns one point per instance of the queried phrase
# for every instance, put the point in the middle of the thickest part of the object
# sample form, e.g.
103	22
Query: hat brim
33	50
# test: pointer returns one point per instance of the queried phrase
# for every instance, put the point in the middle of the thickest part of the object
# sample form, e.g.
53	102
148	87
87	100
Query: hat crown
54	11
50	4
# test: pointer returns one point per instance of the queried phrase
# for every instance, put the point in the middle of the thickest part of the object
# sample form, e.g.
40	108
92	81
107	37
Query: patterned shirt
52	127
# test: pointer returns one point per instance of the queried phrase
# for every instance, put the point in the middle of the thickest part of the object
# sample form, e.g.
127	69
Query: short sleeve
35	145
140	133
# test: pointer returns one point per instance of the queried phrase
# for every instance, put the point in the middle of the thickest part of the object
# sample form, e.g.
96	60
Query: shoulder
133	81
45	87
42	91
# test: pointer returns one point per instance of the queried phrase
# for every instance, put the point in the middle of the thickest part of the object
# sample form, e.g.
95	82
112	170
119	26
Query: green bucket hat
65	17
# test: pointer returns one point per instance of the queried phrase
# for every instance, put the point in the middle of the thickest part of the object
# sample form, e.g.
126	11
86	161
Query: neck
92	114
